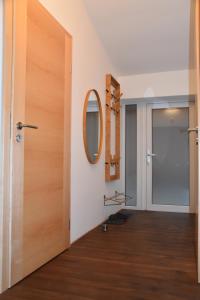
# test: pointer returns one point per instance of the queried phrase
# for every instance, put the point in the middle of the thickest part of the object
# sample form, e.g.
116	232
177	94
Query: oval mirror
92	126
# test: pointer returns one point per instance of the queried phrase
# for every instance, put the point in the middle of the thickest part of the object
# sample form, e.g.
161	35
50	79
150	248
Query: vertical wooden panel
112	106
67	136
7	95
18	114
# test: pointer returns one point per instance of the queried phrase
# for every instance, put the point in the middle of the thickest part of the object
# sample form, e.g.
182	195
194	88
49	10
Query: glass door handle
149	156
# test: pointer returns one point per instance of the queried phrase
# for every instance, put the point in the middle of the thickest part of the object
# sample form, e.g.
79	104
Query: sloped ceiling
143	36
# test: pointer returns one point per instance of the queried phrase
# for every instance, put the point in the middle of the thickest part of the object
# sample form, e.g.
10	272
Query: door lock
19	138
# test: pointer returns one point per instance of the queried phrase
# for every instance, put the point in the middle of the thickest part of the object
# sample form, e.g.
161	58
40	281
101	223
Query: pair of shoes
117	219
122	216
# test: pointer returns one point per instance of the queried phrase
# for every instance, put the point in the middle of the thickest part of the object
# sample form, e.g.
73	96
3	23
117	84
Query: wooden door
40	157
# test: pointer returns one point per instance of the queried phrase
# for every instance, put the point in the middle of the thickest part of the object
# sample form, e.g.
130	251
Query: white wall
156	84
90	64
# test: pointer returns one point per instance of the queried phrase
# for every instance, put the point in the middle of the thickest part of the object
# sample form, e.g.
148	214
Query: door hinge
10	129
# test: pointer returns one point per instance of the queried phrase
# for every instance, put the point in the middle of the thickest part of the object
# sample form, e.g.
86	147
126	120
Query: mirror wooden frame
85	130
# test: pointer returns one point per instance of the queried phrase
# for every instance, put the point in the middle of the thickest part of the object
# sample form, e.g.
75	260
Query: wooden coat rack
113	95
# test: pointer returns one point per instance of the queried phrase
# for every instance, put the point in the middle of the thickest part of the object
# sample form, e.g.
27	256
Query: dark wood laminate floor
150	257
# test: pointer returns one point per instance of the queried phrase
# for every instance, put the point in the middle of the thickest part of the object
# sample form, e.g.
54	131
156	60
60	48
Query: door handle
20	126
196	129
149	156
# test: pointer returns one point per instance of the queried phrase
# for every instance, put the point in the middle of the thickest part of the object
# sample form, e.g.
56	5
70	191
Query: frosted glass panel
131	154
170	166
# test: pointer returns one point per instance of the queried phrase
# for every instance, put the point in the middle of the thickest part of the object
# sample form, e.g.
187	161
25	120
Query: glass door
168	157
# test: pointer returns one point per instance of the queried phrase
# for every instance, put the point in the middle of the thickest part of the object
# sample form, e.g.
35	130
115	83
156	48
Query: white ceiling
143	36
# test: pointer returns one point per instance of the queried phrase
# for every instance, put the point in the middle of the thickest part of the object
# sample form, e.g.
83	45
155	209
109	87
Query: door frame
7	106
170	208
142	104
196	78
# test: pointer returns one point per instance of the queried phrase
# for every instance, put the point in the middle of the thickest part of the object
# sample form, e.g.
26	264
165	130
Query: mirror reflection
93	126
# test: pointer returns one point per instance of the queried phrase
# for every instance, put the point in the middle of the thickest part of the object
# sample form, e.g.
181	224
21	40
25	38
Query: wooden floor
150	257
